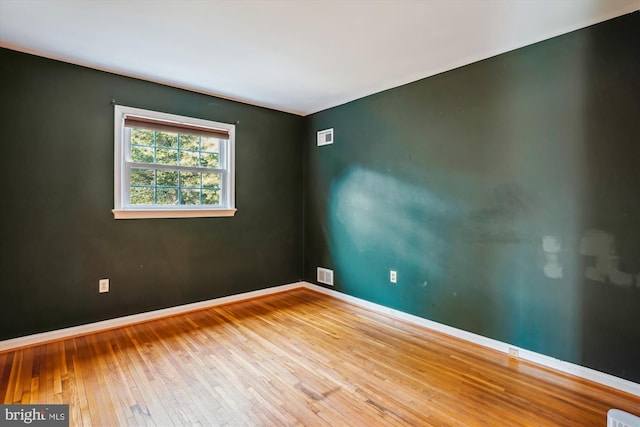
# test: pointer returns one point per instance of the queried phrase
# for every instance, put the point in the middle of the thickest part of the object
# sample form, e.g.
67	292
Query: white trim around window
199	183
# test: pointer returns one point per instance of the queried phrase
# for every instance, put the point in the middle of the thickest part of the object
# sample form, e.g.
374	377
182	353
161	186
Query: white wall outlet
513	353
393	276
103	286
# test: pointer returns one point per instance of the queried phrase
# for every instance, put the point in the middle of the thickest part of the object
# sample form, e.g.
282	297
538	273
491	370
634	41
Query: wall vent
325	276
618	418
325	137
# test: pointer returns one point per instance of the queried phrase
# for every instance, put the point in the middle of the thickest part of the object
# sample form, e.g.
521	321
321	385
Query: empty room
320	213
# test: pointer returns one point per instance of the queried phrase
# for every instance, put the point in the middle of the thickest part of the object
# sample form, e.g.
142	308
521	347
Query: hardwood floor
295	358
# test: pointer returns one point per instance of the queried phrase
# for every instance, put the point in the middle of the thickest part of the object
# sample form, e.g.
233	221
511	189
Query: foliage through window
172	166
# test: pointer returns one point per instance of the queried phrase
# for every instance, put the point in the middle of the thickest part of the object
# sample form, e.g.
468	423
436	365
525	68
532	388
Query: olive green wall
58	235
505	194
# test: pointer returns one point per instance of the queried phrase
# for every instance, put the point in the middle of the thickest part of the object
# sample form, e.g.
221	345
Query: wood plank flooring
295	358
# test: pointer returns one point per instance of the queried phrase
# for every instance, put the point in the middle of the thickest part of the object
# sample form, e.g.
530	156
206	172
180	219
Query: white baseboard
104	325
528	355
531	356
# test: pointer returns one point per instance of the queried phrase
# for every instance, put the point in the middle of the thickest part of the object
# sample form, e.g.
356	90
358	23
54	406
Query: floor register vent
618	418
325	276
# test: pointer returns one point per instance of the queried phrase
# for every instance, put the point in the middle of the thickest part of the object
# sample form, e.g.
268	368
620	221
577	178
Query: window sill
171	213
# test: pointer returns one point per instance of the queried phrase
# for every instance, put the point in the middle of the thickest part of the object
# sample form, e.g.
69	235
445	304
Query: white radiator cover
618	418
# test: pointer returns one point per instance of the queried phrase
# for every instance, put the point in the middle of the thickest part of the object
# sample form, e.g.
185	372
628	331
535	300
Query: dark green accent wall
58	235
505	194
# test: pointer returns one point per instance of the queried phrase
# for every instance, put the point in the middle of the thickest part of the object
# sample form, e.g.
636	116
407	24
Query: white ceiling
297	56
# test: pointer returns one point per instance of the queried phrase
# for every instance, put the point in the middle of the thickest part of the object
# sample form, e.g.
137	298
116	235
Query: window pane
189	142
142	176
211	181
171	168
167	196
209	160
142	154
189	179
210	144
166	139
141	137
166	157
167	178
210	197
141	195
189	197
188	158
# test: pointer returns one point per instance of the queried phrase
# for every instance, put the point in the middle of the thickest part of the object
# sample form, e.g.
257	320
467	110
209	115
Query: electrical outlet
393	276
513	353
103	285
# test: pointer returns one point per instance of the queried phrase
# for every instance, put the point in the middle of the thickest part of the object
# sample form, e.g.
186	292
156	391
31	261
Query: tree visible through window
171	163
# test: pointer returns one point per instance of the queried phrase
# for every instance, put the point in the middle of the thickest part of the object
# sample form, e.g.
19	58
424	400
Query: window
169	166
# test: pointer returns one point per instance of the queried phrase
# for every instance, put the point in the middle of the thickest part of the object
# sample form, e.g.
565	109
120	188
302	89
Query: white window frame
122	163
